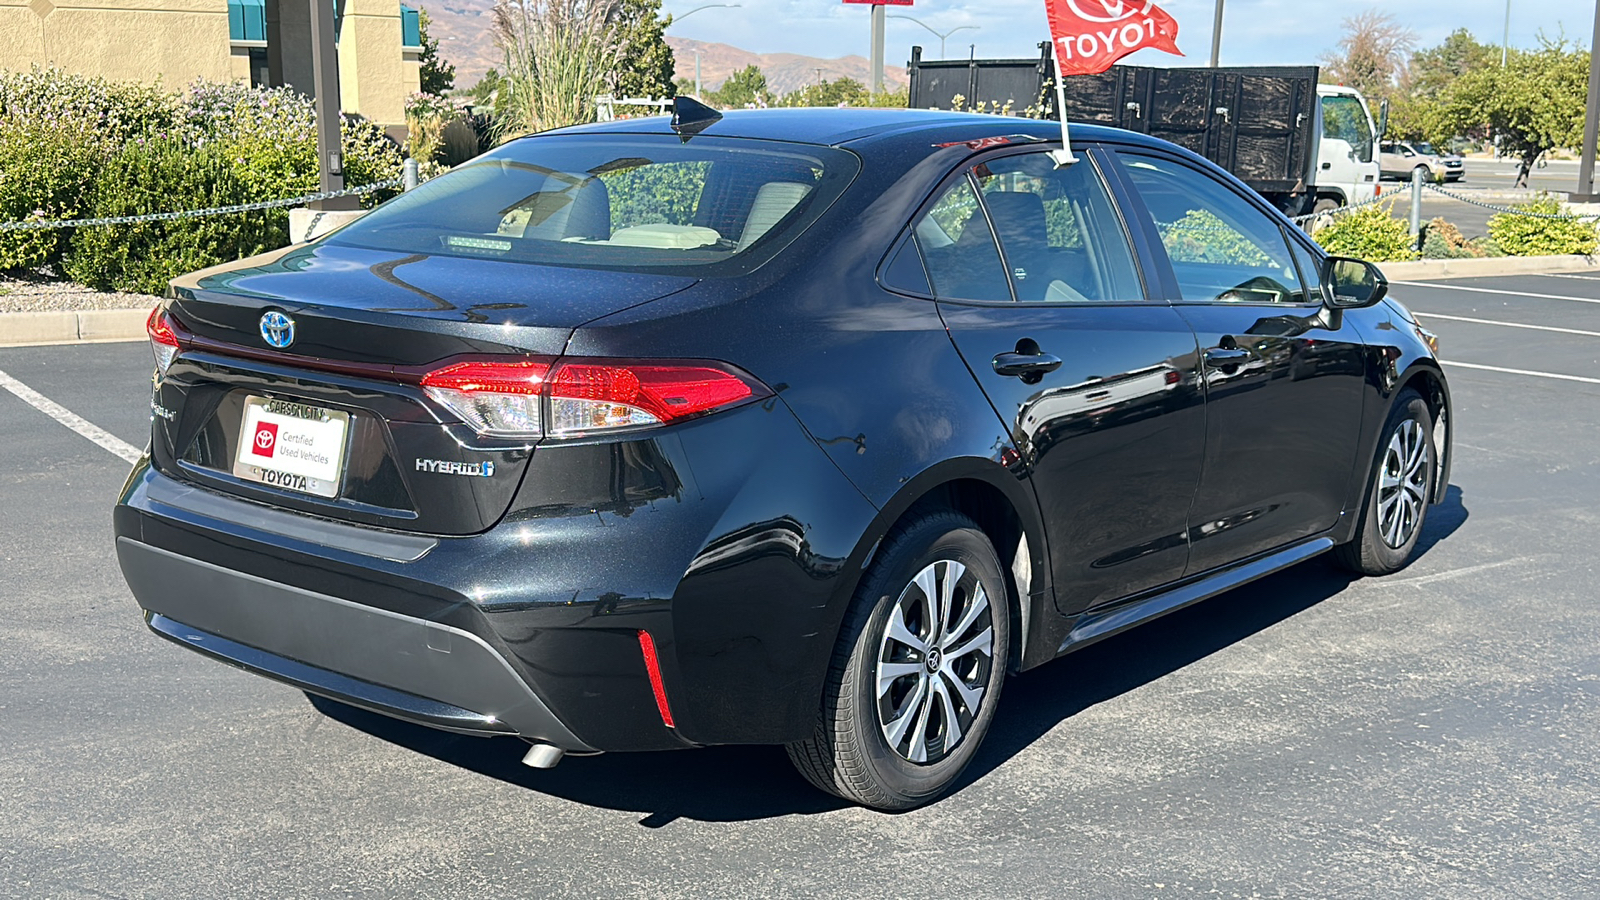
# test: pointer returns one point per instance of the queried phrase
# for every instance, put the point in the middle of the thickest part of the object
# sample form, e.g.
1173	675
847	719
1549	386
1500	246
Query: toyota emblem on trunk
277	329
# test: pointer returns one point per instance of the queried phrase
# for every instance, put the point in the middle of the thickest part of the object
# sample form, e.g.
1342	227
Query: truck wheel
917	672
1324	205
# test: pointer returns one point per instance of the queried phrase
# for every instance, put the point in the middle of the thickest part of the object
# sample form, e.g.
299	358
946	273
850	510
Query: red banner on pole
1090	35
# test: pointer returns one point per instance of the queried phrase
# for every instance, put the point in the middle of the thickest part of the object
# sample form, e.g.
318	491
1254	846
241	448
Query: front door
1284	377
1097	384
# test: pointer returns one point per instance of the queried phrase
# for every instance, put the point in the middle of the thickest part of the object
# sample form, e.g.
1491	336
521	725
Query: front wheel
917	671
1398	492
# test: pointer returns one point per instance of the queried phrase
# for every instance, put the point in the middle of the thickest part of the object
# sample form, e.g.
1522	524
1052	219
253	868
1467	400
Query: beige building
265	42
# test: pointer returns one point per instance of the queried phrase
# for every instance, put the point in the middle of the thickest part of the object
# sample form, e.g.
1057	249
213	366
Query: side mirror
1351	283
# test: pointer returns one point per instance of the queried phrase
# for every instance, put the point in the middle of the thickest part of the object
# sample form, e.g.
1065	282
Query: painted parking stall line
1478	290
1555	375
1577	331
72	420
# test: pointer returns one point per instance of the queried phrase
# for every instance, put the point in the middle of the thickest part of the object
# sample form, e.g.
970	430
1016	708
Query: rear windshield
632	202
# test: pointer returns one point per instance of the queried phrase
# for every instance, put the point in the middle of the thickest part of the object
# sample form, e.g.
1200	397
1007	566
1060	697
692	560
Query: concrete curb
72	326
1435	269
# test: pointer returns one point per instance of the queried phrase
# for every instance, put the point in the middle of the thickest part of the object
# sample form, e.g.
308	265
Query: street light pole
941	35
878	25
1591	123
677	19
1216	36
1505	38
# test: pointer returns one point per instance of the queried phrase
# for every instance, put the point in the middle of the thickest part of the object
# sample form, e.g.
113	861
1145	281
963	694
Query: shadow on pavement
725	784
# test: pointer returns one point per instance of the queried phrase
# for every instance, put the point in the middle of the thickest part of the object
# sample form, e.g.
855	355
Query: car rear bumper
410	668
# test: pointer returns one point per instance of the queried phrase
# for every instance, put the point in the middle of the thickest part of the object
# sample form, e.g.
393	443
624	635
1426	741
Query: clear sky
1254	32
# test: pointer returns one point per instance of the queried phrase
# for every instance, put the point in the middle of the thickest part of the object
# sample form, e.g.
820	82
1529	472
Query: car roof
864	125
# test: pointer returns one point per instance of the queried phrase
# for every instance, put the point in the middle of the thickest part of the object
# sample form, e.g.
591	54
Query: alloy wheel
934	662
1403	484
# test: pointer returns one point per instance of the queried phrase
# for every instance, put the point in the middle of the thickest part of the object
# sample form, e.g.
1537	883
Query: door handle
1026	365
1227	356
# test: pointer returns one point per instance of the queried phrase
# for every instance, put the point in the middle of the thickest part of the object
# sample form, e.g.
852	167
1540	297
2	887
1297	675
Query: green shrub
370	156
46	170
1525	236
1369	232
159	176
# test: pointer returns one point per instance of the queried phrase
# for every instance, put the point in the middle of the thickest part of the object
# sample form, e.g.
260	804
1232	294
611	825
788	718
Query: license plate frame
312	439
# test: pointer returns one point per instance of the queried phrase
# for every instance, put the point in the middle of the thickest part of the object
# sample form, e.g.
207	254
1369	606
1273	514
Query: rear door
1037	281
1284	379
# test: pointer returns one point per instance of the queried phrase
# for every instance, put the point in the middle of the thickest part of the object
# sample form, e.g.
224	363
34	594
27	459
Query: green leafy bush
46	170
1369	232
158	176
1526	236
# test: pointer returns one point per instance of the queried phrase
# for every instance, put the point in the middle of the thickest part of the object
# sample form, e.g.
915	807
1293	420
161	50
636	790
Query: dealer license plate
292	445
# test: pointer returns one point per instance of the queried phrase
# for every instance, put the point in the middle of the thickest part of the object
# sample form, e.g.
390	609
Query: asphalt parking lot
1432	734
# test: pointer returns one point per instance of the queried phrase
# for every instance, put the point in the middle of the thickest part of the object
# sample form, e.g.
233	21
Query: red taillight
647	647
163	343
533	398
588	397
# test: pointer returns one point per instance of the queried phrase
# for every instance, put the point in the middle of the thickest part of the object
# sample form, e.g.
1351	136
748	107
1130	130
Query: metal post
1416	202
325	84
1591	123
878	23
408	173
1505	39
1216	37
697	74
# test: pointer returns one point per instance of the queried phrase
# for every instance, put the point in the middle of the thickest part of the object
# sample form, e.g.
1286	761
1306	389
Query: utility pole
1216	36
1591	122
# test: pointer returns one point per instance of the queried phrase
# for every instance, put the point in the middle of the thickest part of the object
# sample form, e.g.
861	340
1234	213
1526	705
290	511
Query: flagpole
1063	157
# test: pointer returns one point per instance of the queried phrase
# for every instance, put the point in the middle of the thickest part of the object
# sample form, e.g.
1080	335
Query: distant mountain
466	39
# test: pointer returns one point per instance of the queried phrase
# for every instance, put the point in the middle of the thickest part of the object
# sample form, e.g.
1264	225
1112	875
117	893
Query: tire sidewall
910	781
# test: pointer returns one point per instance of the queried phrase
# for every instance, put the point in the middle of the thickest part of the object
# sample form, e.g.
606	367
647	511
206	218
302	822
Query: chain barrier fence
49	224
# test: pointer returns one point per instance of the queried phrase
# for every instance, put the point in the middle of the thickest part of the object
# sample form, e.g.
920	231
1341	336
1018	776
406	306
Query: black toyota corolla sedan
800	427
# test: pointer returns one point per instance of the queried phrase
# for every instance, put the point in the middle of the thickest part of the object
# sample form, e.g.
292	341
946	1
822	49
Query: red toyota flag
1090	35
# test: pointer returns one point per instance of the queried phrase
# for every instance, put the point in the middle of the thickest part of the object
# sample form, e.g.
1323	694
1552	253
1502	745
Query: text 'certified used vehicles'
800	427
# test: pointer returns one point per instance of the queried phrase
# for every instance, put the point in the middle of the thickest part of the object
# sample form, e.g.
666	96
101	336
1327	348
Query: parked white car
1400	158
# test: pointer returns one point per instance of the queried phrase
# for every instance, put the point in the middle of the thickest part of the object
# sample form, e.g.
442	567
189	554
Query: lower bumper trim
368	696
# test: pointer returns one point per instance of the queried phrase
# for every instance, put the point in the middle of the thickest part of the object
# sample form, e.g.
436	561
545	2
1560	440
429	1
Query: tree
647	63
1534	103
845	90
1372	54
438	74
1433	70
742	87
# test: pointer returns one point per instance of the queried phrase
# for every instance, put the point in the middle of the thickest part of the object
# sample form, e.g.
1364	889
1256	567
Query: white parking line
1462	365
1478	290
1566	275
71	419
1432	315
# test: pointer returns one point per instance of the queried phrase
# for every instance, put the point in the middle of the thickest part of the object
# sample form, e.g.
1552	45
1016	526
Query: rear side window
633	202
958	247
1062	238
1222	248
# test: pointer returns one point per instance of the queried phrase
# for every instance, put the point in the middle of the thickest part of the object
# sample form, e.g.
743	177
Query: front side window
1221	246
1345	119
1062	238
645	202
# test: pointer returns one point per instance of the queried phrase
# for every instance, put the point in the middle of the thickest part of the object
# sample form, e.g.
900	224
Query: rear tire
1399	491
917	671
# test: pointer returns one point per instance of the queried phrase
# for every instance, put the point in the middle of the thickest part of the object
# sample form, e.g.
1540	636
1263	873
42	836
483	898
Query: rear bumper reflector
647	646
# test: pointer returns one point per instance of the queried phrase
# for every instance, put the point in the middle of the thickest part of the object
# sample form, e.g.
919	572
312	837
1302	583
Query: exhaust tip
543	756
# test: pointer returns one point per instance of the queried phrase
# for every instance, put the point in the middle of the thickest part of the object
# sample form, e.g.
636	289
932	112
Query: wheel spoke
898	631
890	672
952	572
980	641
895	731
927	581
952	724
976	606
919	736
970	696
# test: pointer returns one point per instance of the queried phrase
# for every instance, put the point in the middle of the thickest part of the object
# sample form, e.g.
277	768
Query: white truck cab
1345	167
